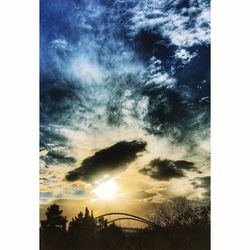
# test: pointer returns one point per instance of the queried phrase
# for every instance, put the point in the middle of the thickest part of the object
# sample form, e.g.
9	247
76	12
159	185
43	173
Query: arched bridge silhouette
127	216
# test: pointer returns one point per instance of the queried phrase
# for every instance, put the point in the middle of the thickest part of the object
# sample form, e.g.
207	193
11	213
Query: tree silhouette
55	220
110	236
185	225
102	223
53	229
82	231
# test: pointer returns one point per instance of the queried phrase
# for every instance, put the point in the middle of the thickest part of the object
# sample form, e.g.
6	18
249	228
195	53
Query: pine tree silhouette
53	229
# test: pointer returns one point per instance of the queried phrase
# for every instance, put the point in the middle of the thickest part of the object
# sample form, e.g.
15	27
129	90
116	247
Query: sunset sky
124	104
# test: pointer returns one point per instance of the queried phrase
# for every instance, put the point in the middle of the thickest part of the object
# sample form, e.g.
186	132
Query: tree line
184	225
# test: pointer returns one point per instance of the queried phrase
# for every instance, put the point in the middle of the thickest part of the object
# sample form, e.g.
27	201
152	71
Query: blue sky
113	71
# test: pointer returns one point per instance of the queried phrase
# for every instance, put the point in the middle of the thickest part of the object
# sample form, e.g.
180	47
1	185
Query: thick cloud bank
167	169
107	160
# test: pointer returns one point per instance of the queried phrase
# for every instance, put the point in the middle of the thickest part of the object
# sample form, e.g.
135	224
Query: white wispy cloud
185	27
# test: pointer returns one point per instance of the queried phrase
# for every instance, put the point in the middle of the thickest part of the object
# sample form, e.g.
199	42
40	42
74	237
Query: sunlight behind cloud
106	190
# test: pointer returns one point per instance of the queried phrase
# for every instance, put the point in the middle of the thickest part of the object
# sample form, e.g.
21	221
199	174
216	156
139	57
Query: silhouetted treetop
54	218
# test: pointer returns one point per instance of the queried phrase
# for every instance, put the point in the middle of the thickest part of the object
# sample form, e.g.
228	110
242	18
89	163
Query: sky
124	104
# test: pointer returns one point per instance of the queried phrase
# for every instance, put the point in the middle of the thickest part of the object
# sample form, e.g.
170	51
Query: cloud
58	97
184	55
182	22
107	160
59	44
50	137
166	108
53	157
122	68
45	195
202	182
143	195
167	169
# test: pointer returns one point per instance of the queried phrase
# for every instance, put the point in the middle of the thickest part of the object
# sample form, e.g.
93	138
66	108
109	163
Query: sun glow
106	190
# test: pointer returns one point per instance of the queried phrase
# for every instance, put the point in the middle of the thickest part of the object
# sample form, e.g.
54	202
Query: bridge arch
129	217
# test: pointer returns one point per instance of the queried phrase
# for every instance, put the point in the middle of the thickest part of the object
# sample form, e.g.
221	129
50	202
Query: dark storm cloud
167	169
107	160
202	182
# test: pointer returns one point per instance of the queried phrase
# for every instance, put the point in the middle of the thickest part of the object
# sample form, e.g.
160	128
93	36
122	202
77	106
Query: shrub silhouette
181	212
